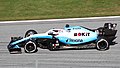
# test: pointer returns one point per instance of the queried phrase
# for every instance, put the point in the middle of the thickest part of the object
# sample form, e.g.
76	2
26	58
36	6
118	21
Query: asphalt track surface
44	58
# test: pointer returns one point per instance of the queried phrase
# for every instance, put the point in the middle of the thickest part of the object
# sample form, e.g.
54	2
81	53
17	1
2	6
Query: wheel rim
30	47
102	44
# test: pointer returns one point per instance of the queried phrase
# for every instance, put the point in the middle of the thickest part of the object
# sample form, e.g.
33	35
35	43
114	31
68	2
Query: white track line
108	17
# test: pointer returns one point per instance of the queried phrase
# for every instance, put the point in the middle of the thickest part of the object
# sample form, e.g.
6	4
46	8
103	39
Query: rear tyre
30	32
102	45
30	47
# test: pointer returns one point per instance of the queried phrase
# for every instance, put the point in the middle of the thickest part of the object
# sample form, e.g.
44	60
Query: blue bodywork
66	39
69	37
36	36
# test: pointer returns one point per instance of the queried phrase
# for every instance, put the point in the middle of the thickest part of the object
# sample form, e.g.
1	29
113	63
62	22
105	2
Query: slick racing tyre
102	45
30	32
30	47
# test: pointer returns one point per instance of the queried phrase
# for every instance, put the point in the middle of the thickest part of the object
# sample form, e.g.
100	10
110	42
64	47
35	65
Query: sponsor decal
74	40
82	34
76	28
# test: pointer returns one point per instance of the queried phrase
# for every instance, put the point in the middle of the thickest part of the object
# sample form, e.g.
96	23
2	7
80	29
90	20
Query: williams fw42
77	37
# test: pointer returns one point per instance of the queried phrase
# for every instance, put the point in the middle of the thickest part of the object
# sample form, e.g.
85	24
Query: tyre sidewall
33	51
102	40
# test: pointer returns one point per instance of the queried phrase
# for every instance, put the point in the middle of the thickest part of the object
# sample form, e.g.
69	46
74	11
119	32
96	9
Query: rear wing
109	29
110	26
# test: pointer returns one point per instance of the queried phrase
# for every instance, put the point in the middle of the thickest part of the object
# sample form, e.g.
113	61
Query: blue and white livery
69	37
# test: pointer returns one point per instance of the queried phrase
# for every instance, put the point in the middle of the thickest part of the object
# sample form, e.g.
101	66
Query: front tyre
30	47
30	32
102	45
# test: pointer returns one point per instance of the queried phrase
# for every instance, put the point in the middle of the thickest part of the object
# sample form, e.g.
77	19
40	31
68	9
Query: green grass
46	9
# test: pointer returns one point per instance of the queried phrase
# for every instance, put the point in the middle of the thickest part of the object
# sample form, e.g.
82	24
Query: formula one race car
77	37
